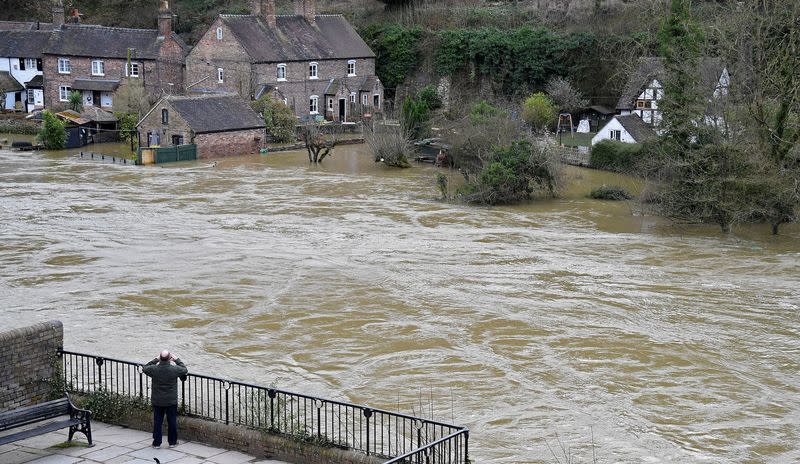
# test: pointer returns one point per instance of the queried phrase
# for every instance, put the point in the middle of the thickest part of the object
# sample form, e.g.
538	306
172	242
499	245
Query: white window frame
29	97
281	76
365	99
313	104
616	135
63	93
64	66
330	104
313	70
30	64
98	68
351	68
353	97
131	67
220	75
219	33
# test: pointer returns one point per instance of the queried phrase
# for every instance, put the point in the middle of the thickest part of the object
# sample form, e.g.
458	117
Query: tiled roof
649	68
220	113
95	114
8	83
99	85
23	44
295	39
634	125
105	42
36	83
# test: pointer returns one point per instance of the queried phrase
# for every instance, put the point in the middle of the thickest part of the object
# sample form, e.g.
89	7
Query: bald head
164	356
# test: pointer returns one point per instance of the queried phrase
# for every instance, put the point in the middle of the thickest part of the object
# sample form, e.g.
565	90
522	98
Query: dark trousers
172	424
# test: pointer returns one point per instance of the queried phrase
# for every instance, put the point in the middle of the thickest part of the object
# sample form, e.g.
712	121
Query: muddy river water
566	323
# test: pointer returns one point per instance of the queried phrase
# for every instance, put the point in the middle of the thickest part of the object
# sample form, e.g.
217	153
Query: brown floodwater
568	322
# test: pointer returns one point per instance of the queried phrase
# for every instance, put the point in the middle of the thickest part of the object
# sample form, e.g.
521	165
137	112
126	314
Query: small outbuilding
219	125
628	129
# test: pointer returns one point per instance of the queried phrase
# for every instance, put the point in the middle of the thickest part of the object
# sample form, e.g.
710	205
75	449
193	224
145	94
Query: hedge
615	156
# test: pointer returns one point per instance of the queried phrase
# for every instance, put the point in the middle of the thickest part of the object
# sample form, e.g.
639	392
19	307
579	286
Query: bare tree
318	145
564	95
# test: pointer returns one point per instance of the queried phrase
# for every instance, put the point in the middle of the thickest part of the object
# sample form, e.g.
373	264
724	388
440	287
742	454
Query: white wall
605	133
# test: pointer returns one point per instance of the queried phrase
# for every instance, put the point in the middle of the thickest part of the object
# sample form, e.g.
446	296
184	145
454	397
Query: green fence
158	155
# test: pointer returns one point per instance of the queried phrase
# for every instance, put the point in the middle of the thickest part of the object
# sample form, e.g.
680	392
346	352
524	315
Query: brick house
220	125
317	64
94	60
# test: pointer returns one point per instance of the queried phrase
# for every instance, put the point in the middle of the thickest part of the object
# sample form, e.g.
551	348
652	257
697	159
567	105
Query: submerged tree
318	146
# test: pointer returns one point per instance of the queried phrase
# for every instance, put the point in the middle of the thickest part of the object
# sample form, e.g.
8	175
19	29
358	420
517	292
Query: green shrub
278	118
483	111
52	134
430	96
615	156
112	407
415	117
539	112
610	192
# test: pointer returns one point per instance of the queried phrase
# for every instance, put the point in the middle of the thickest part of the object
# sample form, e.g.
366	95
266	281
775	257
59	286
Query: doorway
342	109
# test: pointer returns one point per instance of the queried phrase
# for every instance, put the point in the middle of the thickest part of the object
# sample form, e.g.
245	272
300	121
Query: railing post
141	382
466	447
367	414
183	393
319	417
227	387
272	394
99	361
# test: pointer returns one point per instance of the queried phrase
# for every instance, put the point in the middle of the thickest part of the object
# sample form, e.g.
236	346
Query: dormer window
98	68
219	33
351	68
281	72
312	71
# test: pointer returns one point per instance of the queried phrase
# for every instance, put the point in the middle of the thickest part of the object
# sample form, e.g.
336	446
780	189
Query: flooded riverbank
567	318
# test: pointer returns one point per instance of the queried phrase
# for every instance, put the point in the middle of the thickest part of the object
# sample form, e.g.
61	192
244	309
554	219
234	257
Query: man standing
164	395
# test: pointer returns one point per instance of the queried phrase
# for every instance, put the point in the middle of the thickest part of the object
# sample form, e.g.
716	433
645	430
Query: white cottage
627	129
21	58
646	88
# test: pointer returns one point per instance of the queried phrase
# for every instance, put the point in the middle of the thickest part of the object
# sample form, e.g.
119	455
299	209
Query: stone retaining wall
28	359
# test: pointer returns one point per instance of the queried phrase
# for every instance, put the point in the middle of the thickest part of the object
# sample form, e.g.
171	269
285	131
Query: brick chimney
164	19
268	10
58	13
306	9
255	7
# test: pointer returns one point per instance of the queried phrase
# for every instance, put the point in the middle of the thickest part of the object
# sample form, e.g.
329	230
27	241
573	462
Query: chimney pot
58	13
164	19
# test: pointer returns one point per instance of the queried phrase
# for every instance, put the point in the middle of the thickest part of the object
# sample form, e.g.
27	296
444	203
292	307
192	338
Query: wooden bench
79	420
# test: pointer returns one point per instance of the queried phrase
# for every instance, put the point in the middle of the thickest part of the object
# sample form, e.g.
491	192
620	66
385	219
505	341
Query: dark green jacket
165	381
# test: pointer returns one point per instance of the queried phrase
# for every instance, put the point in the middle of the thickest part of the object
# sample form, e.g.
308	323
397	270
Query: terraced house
317	64
94	60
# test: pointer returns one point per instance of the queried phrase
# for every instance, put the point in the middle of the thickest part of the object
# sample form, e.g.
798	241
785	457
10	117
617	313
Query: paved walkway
117	445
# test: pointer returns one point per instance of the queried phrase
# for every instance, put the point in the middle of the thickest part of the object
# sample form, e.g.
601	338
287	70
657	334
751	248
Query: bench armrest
75	411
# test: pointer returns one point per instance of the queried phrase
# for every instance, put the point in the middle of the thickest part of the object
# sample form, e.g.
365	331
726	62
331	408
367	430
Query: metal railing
390	435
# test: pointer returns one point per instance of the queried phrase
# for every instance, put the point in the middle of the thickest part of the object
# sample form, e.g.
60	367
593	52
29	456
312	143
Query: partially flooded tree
318	145
499	159
390	144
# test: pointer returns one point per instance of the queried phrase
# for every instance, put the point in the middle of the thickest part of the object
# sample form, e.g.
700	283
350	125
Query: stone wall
221	144
27	357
